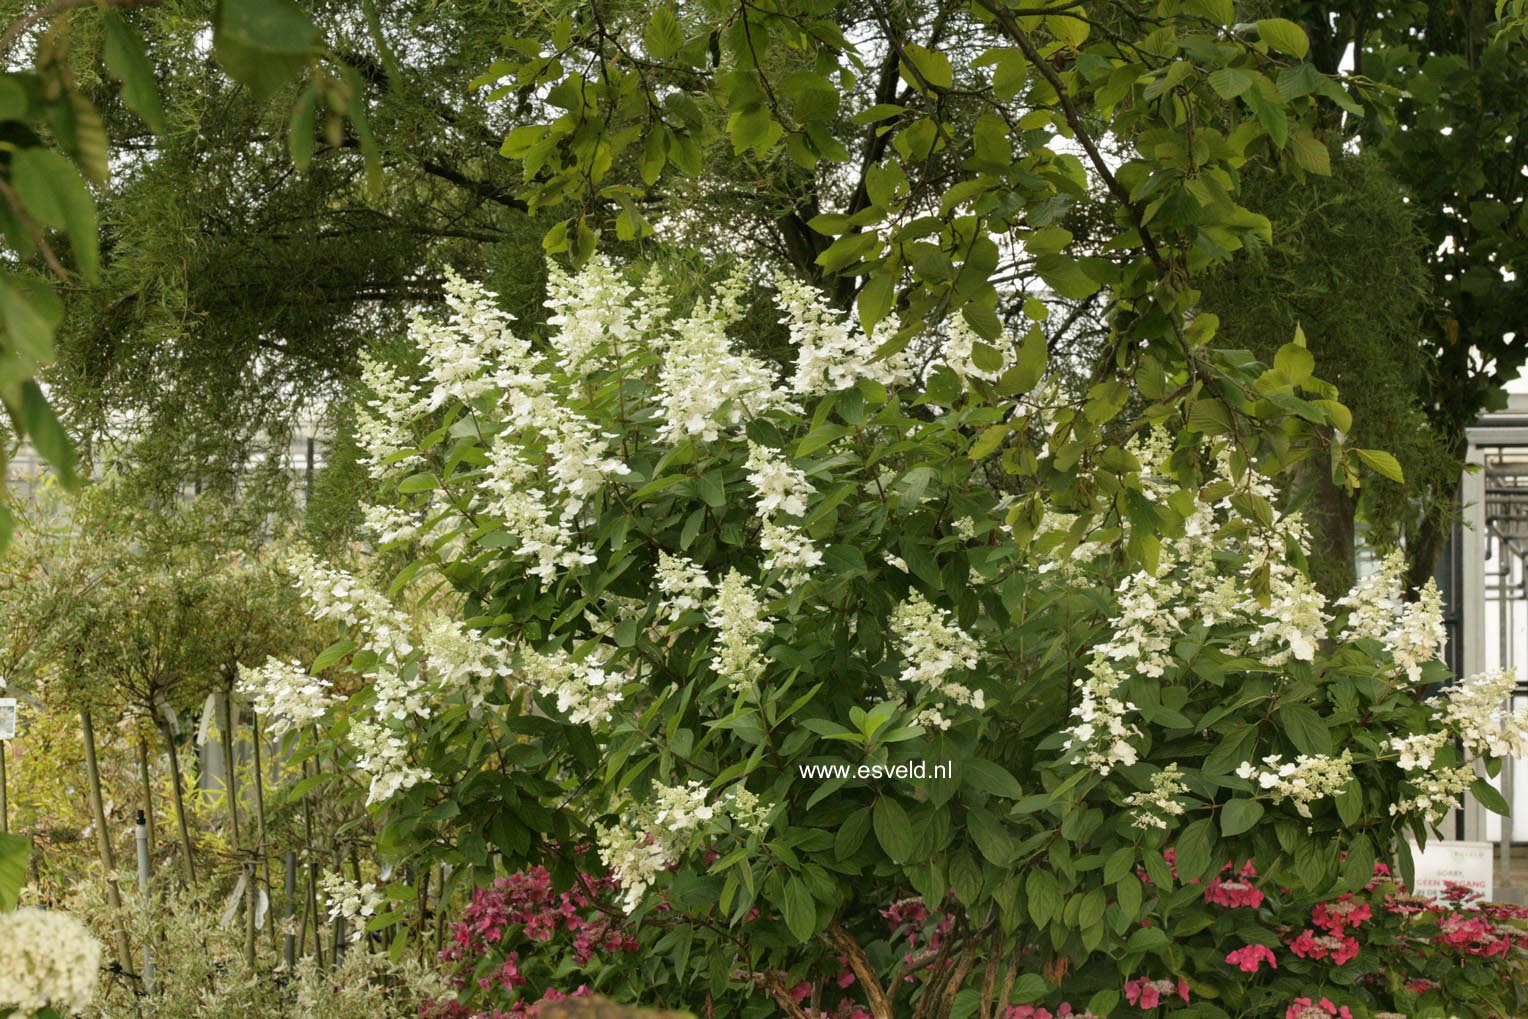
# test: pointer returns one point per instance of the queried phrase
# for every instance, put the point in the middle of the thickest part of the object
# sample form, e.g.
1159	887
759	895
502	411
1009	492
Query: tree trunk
103	841
177	788
1329	513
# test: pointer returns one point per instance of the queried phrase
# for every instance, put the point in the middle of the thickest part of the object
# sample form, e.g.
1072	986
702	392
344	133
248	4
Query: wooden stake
103	840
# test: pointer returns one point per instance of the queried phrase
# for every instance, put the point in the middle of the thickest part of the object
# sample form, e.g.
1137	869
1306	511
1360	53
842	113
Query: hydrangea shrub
871	687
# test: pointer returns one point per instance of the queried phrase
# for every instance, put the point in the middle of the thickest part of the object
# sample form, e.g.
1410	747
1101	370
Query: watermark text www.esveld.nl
909	771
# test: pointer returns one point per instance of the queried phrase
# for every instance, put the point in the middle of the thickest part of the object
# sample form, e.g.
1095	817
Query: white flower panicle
748	812
335	595
780	486
389	525
356	904
1154	806
1374	603
933	647
462	660
1416	752
1437	792
738	617
461	353
789	550
47	960
383	419
512	488
831	353
1412	633
1304	780
652	836
1476	710
681	584
285	694
596	315
585	691
383	756
1419	634
706	387
1101	737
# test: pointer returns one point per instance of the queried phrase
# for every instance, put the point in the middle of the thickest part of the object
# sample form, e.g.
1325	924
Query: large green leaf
129	64
15	851
262	43
53	192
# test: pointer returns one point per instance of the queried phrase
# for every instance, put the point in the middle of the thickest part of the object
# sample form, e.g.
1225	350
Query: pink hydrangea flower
1304	1008
1337	916
1310	945
1148	994
1251	957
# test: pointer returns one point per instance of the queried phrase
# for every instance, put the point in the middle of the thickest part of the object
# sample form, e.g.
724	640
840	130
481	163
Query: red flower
1251	957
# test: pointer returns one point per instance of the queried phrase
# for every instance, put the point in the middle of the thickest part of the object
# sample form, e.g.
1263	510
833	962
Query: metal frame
1491	565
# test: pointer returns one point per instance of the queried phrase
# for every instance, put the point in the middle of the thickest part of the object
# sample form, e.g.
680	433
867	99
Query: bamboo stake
307	820
5	806
103	840
260	847
230	772
146	777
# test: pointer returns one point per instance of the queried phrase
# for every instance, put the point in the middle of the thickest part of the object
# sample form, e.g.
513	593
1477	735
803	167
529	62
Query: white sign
1458	863
7	718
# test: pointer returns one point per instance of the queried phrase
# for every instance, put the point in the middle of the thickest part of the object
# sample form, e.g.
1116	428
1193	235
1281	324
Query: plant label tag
7	718
1454	863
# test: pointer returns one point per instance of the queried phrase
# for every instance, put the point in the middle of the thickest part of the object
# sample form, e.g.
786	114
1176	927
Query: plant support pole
5	804
141	840
103	838
289	888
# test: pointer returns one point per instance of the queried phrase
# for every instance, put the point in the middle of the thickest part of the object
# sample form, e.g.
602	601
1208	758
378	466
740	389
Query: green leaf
424	481
1489	798
992	778
1120	863
371	155
30	312
930	68
1305	729
1285	36
1382	463
663	37
1029	364
15	852
1310	154
1029	987
988	441
1230	82
990	837
1042	895
800	910
46	433
300	129
1128	892
53	192
1239	815
1295	362
893	830
129	64
851	834
1066	276
875	300
262	44
1194	846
